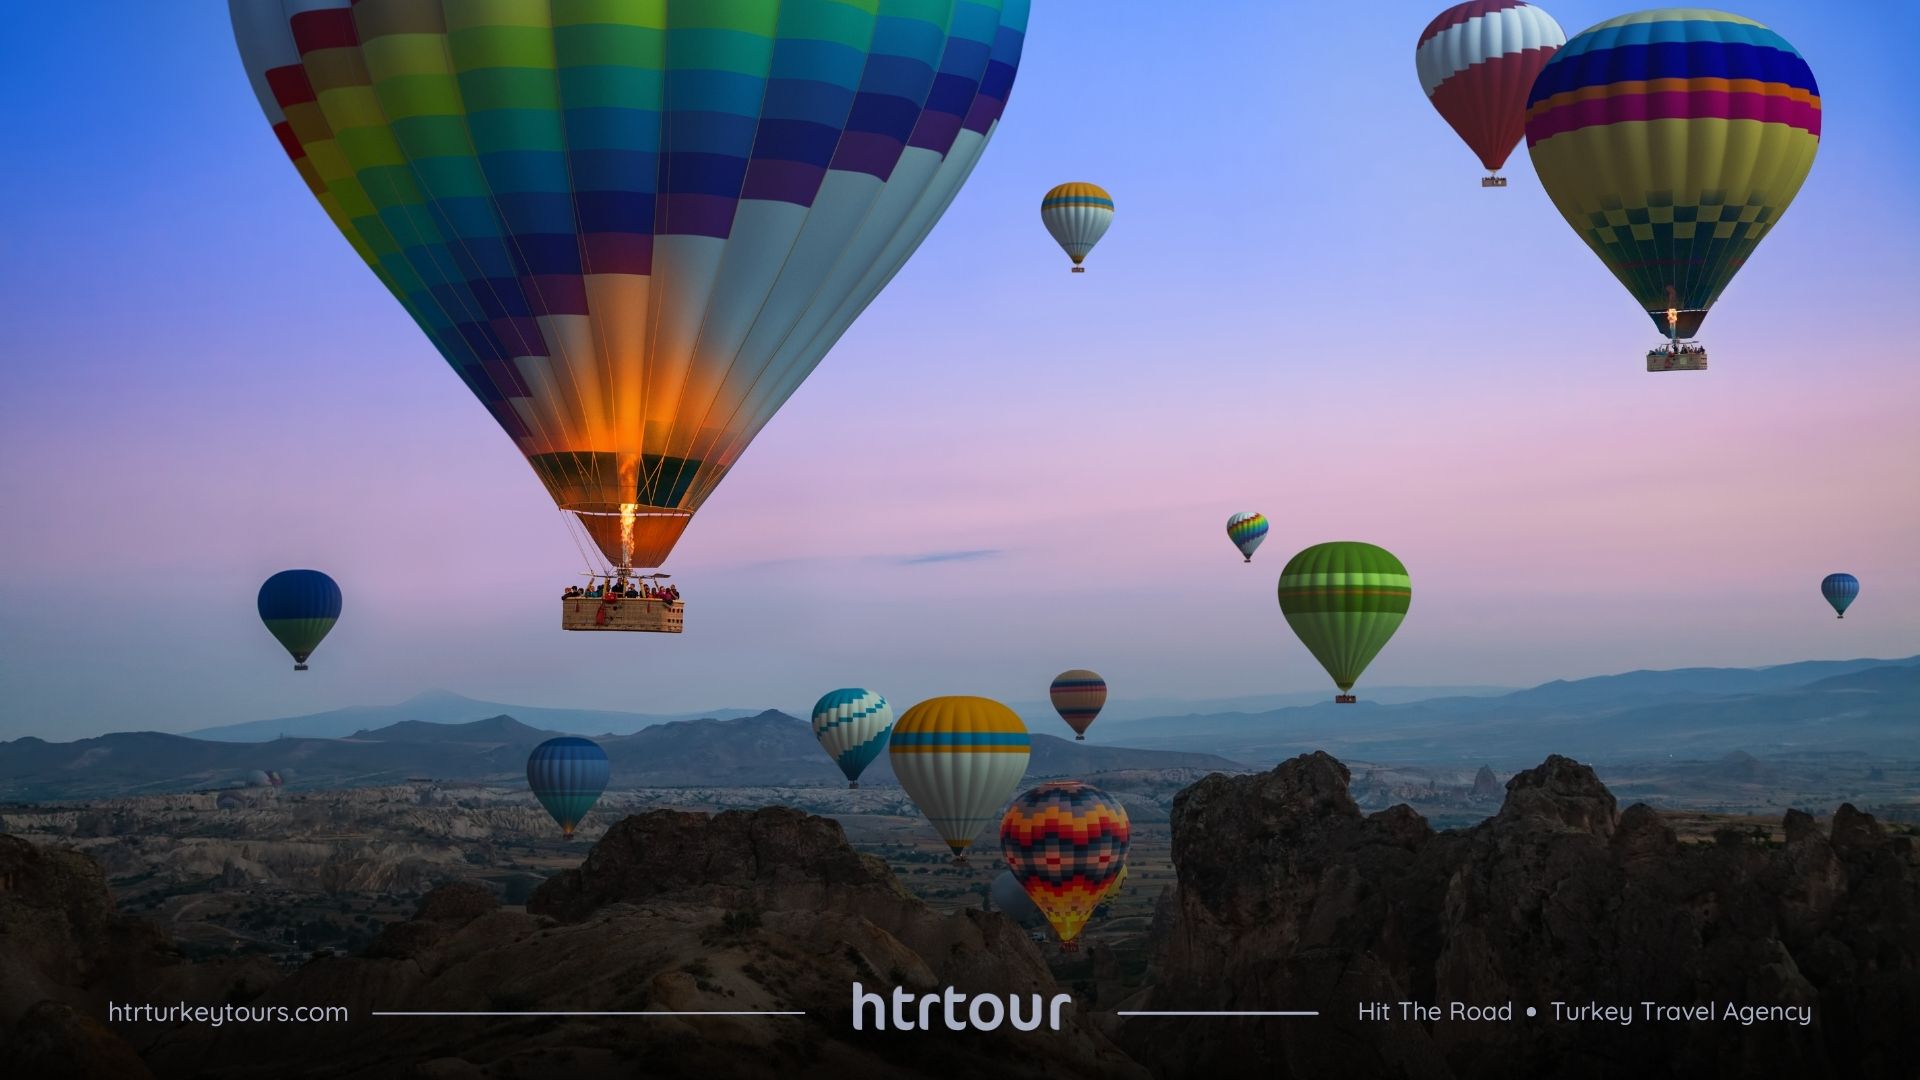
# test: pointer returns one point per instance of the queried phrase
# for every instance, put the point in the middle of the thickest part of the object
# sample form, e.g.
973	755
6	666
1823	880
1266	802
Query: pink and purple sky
1306	306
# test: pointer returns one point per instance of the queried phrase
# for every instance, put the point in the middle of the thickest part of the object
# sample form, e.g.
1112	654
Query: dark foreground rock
1289	898
670	912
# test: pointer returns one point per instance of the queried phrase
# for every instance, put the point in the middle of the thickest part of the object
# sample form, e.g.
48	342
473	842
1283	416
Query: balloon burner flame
626	533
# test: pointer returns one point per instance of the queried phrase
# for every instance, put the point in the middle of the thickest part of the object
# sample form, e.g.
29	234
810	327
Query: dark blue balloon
567	775
299	607
1840	589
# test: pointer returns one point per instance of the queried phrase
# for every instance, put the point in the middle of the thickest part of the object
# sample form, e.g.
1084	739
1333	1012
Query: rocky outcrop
1290	898
768	910
1486	786
65	953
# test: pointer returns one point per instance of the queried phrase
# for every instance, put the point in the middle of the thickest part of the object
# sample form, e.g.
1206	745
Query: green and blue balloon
299	608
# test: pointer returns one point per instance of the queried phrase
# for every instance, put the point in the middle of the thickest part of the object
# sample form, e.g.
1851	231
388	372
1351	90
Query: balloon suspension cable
584	544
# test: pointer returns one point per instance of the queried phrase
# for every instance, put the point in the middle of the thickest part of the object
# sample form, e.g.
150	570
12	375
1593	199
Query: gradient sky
1307	306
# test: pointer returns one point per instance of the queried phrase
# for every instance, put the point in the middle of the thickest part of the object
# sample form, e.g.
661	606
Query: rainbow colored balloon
1066	843
1078	696
959	759
1672	141
1247	530
632	226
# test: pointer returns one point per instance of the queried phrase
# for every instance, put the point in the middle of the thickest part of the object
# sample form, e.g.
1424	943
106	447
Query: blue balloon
567	775
1840	589
299	607
853	725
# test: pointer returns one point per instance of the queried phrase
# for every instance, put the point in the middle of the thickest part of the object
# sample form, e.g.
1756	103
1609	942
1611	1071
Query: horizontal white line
583	1013
1294	1013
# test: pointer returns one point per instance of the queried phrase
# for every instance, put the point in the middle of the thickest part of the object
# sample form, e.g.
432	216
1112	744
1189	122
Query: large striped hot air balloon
1066	843
299	608
1672	141
1477	61
1078	696
960	759
632	227
852	726
1344	600
1076	216
1840	590
567	775
1247	529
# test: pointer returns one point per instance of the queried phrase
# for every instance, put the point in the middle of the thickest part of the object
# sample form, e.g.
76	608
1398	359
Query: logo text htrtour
981	1012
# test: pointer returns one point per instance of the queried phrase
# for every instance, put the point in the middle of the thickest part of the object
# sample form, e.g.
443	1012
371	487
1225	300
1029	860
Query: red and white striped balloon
1477	61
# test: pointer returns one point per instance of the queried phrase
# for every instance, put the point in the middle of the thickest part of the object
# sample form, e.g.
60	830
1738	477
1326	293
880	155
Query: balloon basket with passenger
1493	181
617	596
1679	353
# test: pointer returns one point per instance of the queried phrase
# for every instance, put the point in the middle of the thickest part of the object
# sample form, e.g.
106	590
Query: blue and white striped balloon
853	725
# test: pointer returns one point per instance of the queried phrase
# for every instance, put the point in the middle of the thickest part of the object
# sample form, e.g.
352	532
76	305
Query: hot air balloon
1247	529
959	758
299	607
1077	696
1672	141
852	726
1077	216
1344	600
1840	589
632	227
1011	898
567	775
1476	62
1066	842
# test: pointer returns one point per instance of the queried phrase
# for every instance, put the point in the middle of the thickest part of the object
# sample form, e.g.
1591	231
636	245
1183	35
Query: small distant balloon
1840	590
299	607
1066	843
1077	216
567	775
1247	529
1078	696
960	759
852	726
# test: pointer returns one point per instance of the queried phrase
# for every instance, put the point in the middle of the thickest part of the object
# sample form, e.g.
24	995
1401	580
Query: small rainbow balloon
1078	696
1247	529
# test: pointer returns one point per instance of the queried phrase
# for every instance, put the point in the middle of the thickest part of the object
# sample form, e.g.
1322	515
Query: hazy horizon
1306	306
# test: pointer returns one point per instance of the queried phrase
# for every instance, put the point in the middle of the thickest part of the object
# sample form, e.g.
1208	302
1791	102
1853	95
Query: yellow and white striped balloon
1077	215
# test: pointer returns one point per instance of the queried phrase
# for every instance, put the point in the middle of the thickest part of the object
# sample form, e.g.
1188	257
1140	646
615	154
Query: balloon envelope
1344	600
852	726
1672	141
567	775
1840	589
1078	696
1247	530
1066	842
299	607
632	228
1477	61
1076	216
959	759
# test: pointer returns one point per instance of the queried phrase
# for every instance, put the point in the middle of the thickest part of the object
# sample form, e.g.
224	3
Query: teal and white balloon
852	726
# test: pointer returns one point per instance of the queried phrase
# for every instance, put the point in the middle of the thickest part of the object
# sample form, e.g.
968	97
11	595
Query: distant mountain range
445	707
764	750
1852	706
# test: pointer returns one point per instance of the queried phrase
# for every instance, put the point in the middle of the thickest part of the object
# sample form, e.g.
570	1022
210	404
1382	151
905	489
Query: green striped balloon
1344	600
